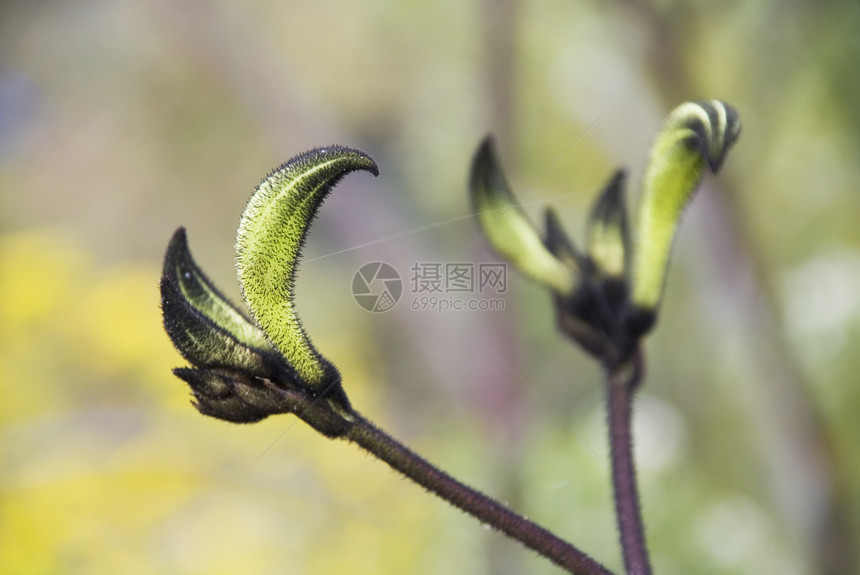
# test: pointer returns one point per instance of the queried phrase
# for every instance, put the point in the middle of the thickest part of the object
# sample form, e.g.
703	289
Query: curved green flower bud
696	134
206	329
271	233
608	233
508	229
204	296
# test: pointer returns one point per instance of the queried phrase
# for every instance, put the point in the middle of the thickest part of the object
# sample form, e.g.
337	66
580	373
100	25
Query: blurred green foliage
120	121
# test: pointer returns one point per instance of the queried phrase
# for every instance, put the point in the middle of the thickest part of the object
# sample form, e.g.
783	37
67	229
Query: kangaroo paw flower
608	233
271	234
608	297
589	315
207	329
696	135
508	229
244	370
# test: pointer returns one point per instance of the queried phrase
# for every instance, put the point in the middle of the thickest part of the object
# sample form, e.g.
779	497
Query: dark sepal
205	344
232	396
640	320
572	324
559	243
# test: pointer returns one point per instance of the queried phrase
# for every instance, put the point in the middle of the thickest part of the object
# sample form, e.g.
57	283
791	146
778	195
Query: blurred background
120	121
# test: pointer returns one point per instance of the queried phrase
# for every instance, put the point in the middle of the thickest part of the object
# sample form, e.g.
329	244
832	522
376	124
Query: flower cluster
607	296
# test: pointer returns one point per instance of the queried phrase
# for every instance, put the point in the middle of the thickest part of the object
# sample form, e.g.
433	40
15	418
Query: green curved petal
696	135
508	229
271	233
608	234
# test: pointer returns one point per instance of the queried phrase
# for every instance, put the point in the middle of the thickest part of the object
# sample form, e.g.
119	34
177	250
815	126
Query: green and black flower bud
608	236
696	135
244	370
608	297
507	228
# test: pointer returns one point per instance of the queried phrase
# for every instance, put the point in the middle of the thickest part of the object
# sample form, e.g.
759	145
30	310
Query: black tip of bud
640	321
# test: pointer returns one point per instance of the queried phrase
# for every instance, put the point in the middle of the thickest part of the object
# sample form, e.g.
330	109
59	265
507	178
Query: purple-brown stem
622	381
484	508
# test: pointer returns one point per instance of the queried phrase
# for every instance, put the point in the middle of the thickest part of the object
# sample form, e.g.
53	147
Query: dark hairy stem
621	383
484	508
